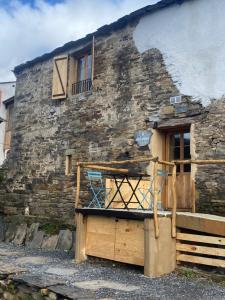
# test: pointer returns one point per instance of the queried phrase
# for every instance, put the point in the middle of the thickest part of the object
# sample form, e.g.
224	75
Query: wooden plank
200	249
129	243
80	245
201	162
202	223
160	253
201	260
201	238
100	238
106	169
118	162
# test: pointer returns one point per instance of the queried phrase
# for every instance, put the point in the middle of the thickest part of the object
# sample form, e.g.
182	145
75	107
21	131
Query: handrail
118	162
200	162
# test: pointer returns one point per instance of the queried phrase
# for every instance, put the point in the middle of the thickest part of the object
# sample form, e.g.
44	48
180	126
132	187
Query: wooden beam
201	222
174	208
155	203
201	260
201	238
80	244
201	162
108	163
166	163
78	187
106	169
200	249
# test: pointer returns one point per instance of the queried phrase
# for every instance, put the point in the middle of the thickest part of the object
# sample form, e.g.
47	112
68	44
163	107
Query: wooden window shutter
60	77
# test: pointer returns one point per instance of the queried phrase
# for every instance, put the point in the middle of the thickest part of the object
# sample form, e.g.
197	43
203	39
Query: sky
29	28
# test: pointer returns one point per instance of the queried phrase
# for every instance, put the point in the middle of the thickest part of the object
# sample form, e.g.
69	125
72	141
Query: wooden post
77	200
155	200
174	210
193	196
80	245
78	186
160	253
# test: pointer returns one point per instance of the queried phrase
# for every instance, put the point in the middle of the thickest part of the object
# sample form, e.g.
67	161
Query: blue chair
99	192
148	194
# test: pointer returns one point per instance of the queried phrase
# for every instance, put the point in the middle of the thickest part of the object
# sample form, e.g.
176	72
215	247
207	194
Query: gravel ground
118	281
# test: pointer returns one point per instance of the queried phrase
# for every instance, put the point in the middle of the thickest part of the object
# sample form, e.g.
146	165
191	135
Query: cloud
28	31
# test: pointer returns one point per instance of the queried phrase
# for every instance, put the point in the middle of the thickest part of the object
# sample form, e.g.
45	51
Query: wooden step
201	222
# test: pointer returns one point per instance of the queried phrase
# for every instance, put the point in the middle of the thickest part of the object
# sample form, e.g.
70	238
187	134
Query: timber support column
160	253
80	246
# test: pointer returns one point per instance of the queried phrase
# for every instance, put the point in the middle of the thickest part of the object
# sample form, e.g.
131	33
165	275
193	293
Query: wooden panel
60	74
183	190
201	239
202	222
100	238
201	249
129	245
126	192
201	260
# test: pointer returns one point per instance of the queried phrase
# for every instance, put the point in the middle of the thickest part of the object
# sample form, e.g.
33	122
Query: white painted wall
191	38
7	91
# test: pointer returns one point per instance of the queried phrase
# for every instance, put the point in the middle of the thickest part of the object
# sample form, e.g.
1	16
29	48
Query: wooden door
177	147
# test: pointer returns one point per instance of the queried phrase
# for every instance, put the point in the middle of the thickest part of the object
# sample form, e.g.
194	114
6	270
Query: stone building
7	91
159	70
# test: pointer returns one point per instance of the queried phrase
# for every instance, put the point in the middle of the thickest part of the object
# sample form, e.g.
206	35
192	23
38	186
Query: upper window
83	82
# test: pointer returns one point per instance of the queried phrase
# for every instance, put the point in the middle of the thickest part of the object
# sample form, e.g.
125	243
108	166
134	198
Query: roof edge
106	29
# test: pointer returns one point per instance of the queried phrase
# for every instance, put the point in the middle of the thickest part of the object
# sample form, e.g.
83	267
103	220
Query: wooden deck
211	224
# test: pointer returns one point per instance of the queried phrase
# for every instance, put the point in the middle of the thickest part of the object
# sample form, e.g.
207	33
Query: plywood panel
100	237
129	245
126	192
183	189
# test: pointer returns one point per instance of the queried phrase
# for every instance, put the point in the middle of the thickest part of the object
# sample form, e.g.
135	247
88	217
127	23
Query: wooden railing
110	166
81	86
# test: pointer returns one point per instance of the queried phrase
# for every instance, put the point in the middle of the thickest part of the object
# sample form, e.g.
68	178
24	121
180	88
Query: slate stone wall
129	88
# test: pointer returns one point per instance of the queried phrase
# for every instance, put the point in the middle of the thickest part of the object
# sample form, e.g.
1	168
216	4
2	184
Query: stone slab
10	232
58	271
38	281
31	232
37	240
65	240
20	234
7	269
72	292
50	242
104	284
33	260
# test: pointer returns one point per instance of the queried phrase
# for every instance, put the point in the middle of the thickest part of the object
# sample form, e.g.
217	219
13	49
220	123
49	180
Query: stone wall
129	88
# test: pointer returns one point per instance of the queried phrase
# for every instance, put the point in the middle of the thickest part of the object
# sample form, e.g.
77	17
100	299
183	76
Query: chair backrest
94	176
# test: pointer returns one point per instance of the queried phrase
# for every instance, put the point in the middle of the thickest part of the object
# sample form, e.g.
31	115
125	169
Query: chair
148	194
99	191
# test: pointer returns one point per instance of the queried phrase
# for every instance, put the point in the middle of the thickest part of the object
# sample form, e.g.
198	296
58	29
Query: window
180	149
83	76
69	165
